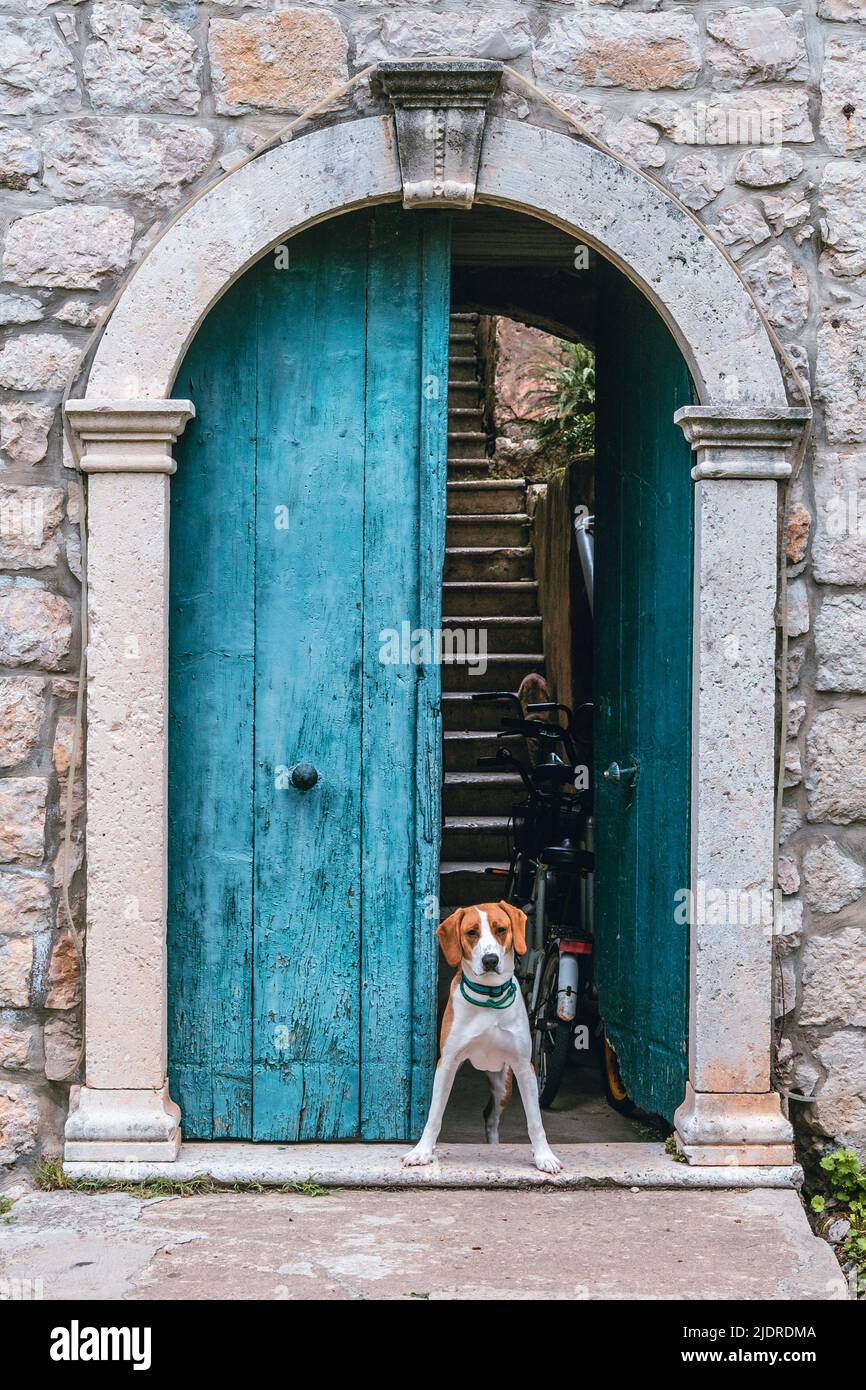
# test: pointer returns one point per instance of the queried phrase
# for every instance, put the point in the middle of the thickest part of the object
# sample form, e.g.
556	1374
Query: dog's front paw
419	1156
547	1162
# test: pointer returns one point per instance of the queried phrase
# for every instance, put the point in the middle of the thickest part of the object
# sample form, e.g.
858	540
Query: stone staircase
488	583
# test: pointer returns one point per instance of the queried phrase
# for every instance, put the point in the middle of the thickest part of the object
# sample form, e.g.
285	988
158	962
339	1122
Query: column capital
742	441
440	110
128	436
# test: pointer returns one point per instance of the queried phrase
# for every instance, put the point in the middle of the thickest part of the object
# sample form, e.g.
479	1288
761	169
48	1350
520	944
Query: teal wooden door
307	519
642	630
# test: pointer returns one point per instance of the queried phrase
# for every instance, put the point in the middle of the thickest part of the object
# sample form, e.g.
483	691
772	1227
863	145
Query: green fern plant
566	397
846	1179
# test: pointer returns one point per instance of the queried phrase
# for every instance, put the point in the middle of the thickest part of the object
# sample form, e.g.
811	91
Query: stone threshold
456	1166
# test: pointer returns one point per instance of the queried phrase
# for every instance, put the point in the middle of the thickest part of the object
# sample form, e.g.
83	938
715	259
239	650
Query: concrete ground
596	1244
588	1240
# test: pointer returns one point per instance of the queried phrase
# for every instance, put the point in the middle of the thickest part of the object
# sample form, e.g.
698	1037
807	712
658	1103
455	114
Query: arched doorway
307	526
740	432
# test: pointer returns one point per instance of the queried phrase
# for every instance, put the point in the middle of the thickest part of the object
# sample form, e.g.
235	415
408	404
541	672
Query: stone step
486	496
464	316
502	634
462	371
468	470
467	444
488	562
494	598
502	672
476	838
462	750
464	395
463	335
463	882
496	528
480	793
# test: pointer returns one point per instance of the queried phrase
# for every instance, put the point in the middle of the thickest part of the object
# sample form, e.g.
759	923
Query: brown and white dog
485	1023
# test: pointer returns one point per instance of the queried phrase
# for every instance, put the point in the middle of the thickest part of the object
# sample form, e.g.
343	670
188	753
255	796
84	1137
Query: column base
733	1129
122	1126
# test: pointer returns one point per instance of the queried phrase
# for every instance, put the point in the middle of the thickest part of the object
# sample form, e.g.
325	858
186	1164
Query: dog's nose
489	962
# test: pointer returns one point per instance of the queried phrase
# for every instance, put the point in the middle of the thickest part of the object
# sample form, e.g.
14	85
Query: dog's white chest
492	1040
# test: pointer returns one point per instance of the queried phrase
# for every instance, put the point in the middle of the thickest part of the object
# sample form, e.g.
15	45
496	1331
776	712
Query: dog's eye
473	934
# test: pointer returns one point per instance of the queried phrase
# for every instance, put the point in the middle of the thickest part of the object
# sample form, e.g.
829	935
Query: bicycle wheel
551	1038
617	1096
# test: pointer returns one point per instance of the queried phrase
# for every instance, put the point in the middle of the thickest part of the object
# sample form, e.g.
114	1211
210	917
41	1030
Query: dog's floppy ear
518	926
448	936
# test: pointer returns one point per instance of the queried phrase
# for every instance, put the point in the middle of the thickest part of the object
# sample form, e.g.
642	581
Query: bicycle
549	876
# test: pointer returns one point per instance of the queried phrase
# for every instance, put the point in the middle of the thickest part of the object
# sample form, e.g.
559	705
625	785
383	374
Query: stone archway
438	147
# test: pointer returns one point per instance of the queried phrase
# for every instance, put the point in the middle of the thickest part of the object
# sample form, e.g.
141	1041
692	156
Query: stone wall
113	114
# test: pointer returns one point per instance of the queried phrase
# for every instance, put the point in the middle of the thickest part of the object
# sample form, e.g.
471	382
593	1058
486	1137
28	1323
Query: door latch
615	773
627	776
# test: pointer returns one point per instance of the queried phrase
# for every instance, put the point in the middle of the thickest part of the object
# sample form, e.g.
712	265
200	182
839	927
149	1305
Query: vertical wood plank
308	685
436	292
211	728
407	342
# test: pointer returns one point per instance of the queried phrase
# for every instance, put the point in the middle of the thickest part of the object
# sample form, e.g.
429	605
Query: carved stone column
439	110
124	1111
730	1115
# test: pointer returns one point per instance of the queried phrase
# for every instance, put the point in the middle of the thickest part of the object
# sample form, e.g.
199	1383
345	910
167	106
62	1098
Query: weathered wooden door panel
342	470
309	636
643	612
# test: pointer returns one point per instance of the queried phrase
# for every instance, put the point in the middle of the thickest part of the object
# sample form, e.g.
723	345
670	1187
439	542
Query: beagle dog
486	1023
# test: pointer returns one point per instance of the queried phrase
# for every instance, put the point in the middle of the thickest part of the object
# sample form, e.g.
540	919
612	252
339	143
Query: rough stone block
285	61
16	967
62	1045
756	44
18	1043
24	428
839	547
20	161
19	1122
73	247
37	71
138	157
22	707
843	227
35	626
839	1110
696	179
834	980
840	643
37	362
740	227
768	168
832	879
781	289
30	520
488	33
836	767
644	52
843	95
141	60
840	377
64	976
22	819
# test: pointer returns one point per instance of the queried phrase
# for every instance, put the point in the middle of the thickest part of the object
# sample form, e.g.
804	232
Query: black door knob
304	776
